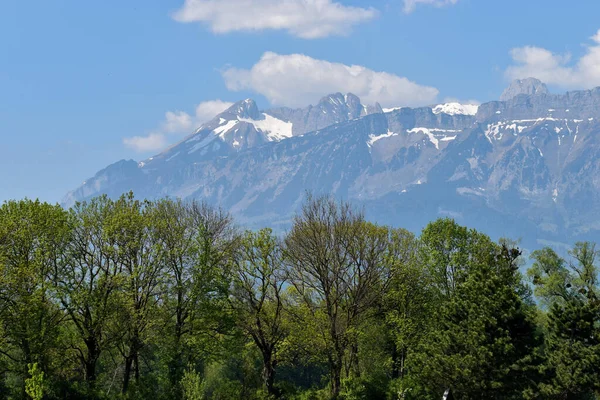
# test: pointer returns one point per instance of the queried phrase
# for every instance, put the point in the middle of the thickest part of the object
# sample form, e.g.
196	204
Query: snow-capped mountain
452	108
456	109
243	126
332	109
524	167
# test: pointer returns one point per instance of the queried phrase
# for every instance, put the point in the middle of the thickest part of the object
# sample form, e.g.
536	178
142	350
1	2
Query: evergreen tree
483	340
572	345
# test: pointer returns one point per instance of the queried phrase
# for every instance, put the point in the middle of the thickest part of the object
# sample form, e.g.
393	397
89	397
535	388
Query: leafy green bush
362	389
34	386
192	385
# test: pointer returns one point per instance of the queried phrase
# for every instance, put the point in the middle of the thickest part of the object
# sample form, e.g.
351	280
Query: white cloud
142	144
176	124
557	69
177	121
411	5
208	109
297	80
308	19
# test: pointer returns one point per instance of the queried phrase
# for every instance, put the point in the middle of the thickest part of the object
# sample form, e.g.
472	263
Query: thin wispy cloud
297	80
558	69
411	5
143	144
175	125
307	19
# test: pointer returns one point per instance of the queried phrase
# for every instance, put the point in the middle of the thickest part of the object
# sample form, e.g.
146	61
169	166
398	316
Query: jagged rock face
243	126
528	167
332	109
528	87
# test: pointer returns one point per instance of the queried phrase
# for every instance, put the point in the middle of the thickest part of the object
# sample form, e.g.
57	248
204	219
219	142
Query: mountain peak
333	98
528	86
347	104
351	98
244	109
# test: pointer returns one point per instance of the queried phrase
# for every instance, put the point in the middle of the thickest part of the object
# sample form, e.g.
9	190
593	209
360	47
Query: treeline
170	300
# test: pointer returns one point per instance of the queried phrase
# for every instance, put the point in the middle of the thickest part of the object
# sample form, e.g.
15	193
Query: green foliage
34	385
165	299
192	385
483	338
258	298
570	290
33	237
219	383
361	389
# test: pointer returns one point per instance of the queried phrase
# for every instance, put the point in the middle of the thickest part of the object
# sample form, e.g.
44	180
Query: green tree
140	260
258	298
338	271
570	290
407	304
33	236
483	339
198	243
87	284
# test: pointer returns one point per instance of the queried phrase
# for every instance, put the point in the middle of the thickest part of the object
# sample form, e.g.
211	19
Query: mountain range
526	166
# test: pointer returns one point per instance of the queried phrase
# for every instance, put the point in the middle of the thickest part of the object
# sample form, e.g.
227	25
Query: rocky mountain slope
529	86
525	167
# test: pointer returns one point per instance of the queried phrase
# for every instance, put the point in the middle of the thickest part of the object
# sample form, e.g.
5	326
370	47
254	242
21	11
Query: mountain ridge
523	160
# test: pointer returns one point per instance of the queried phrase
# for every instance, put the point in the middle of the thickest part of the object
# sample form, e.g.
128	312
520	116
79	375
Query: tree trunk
90	371
136	364
93	353
353	367
268	373
336	364
127	373
335	359
336	381
132	360
176	367
176	364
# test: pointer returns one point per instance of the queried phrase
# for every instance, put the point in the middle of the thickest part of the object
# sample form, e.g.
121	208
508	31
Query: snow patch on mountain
496	130
374	138
434	134
387	110
274	128
455	109
222	130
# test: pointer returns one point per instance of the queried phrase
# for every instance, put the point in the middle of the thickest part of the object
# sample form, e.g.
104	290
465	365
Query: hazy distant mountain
525	167
529	86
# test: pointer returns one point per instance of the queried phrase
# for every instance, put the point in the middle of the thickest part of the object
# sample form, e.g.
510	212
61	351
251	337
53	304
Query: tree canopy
169	299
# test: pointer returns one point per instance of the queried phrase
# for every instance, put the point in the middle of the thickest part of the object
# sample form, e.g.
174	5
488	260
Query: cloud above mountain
143	144
307	19
558	69
411	5
296	80
175	125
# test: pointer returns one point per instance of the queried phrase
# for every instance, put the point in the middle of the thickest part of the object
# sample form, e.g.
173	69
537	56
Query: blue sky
86	83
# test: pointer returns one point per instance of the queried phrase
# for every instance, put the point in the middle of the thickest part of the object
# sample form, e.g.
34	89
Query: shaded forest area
129	299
